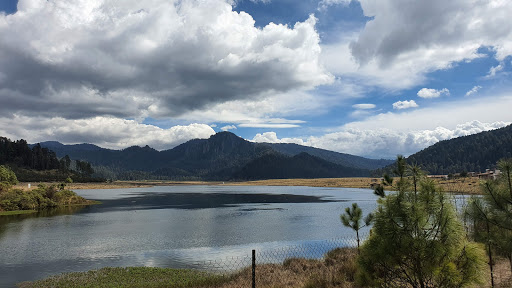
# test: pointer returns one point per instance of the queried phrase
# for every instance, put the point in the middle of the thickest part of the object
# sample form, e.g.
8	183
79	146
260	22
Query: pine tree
352	218
491	215
417	239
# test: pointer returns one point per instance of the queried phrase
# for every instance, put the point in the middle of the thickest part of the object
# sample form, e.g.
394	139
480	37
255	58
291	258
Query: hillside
37	163
216	158
303	165
331	156
473	153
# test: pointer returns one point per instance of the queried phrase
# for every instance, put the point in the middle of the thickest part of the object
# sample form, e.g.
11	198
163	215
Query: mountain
220	157
302	165
335	157
473	153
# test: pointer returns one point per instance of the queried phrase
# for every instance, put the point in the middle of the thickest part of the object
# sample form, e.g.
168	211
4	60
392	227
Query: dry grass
352	182
462	185
502	274
337	270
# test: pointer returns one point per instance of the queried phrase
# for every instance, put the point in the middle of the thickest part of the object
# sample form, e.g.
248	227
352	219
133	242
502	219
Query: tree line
41	164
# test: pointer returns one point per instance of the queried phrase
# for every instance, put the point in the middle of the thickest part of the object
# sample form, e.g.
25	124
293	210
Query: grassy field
337	269
131	277
461	185
17	212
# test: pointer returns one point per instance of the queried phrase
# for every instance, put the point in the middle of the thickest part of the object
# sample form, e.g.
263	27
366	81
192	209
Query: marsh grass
459	185
17	212
131	277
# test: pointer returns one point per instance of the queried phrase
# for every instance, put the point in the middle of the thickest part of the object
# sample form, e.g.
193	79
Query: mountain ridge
219	157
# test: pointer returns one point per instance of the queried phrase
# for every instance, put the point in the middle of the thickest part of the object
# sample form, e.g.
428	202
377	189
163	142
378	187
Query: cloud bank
107	132
406	132
384	142
405	40
160	58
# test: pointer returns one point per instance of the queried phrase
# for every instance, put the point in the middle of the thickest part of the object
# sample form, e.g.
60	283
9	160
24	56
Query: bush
7	176
42	197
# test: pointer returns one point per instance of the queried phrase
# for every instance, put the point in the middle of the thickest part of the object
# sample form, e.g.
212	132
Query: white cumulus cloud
473	90
405	104
107	132
405	40
228	127
433	93
158	58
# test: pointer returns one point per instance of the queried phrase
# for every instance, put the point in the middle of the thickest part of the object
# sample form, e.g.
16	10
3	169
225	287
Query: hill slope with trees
37	163
303	165
473	153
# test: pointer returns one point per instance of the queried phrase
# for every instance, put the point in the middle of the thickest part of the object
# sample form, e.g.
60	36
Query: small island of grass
15	201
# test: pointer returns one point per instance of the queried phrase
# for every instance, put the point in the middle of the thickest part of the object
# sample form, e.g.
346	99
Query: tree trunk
510	261
490	254
357	236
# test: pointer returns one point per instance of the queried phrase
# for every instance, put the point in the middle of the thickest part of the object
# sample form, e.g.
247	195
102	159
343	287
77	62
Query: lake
171	226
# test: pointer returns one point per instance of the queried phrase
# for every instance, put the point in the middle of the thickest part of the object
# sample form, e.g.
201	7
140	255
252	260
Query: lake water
175	226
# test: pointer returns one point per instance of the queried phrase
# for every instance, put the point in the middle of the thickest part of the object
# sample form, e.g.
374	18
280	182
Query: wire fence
288	266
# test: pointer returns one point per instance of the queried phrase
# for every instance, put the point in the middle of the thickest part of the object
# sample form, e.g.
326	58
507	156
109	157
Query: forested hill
218	158
303	165
20	154
335	157
37	163
473	153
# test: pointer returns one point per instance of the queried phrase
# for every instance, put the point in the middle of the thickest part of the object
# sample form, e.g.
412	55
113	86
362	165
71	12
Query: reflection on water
180	226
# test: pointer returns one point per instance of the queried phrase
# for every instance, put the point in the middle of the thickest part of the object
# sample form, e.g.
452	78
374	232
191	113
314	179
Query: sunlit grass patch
17	212
131	277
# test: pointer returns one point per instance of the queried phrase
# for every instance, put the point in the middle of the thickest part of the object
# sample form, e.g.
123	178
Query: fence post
253	268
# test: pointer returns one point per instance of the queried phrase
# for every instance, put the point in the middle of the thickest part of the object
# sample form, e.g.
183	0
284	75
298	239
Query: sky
364	77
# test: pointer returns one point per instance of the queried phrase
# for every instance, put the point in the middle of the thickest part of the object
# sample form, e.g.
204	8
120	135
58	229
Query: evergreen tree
491	214
417	239
7	178
352	218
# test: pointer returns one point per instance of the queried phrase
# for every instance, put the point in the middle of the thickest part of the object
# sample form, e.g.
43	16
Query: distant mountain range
223	156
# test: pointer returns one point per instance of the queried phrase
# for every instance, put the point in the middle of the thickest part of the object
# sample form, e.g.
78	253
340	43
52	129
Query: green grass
17	212
131	277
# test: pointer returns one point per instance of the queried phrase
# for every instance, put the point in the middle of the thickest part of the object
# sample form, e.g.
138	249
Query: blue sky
369	78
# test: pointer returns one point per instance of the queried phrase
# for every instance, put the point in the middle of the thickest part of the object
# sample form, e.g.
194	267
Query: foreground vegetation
131	277
18	201
339	268
417	239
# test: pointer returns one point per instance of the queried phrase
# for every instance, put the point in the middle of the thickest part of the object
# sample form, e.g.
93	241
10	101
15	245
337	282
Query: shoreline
461	185
23	212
